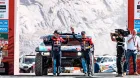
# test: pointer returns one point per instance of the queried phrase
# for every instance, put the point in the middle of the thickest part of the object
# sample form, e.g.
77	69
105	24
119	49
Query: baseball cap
57	32
83	32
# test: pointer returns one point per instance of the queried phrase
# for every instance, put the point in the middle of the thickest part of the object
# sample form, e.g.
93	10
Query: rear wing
64	35
68	34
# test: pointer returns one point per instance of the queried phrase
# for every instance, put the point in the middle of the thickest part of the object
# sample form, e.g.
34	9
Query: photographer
118	37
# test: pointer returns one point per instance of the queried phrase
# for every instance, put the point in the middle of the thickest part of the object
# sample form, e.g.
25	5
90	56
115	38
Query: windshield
71	42
29	60
99	59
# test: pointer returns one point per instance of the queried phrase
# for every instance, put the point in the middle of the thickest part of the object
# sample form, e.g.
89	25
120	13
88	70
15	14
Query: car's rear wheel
39	65
45	66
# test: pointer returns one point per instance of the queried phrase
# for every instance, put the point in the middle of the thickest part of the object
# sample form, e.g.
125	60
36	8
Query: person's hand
68	36
72	29
139	49
133	36
88	47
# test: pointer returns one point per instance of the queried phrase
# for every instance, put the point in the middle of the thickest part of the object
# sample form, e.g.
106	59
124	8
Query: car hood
48	48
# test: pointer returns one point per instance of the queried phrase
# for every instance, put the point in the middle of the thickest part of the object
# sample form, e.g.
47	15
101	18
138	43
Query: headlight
46	54
79	53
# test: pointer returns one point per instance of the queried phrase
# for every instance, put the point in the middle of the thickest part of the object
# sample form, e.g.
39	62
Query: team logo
2	2
138	2
2	6
4	29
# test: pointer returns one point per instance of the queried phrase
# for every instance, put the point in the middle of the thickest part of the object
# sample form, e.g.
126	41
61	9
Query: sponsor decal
3	23
138	11
138	2
2	11
2	2
2	6
4	29
4	36
137	25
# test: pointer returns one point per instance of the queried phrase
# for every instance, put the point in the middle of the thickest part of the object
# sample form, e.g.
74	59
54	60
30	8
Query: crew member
86	44
56	42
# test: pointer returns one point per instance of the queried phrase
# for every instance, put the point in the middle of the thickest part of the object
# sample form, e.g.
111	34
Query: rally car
71	55
27	64
107	63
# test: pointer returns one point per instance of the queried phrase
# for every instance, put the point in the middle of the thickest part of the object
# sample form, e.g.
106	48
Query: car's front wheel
39	65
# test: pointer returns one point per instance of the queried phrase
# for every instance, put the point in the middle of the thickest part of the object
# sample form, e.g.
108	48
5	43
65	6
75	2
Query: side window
110	59
105	59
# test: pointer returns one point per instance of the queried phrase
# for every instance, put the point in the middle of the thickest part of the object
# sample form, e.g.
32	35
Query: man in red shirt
86	44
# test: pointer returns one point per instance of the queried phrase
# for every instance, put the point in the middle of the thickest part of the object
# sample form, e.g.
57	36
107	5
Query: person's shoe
58	74
89	74
54	74
119	75
136	73
124	74
85	74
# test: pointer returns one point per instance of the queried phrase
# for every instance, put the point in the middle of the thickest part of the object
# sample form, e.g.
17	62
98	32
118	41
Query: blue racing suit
56	52
86	45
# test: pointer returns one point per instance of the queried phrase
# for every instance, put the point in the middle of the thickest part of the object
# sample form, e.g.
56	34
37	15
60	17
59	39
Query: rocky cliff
97	17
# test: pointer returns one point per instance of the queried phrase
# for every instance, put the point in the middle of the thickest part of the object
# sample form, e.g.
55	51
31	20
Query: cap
83	32
56	31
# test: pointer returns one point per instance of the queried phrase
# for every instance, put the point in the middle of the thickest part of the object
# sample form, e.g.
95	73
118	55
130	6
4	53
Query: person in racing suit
86	45
56	42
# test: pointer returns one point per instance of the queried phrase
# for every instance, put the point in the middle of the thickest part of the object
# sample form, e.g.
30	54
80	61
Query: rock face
97	17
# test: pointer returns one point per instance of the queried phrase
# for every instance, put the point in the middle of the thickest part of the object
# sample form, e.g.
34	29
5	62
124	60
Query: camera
122	32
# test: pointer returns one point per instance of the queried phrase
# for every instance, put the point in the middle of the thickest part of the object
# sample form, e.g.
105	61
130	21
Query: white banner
4	9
